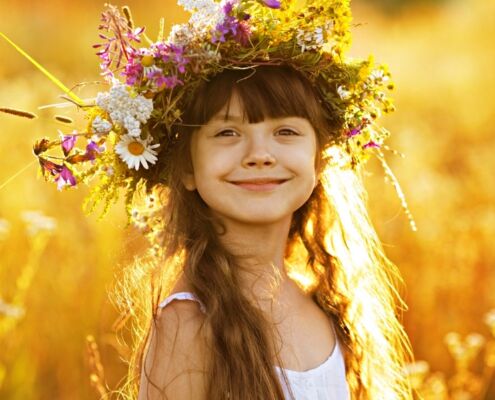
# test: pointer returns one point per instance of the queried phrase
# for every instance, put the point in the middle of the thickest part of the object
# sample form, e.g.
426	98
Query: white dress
324	382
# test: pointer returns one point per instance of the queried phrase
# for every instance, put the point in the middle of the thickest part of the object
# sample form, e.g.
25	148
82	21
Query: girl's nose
258	154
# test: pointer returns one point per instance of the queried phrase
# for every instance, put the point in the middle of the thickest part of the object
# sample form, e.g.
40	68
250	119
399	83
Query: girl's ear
189	181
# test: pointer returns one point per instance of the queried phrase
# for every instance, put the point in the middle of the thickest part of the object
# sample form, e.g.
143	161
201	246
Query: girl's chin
256	217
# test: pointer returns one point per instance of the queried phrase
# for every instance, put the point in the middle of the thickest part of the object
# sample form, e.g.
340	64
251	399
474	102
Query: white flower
205	13
343	93
125	109
101	126
379	75
135	151
180	34
309	40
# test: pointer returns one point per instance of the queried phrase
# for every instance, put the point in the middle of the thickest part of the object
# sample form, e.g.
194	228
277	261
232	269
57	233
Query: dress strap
182	296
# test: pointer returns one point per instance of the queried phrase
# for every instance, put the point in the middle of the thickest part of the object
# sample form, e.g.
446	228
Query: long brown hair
353	281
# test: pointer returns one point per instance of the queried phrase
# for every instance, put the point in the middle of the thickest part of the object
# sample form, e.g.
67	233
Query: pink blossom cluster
163	55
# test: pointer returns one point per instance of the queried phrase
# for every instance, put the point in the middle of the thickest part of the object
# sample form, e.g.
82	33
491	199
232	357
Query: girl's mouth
260	185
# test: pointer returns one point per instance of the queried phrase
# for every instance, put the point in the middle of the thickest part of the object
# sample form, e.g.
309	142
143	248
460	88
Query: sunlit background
56	265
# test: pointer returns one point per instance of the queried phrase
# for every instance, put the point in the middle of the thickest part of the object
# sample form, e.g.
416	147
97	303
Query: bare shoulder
175	359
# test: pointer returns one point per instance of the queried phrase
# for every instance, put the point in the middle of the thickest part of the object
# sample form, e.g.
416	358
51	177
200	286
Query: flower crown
151	83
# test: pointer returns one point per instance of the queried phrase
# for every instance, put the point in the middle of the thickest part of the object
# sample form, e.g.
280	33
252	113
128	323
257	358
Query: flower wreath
150	85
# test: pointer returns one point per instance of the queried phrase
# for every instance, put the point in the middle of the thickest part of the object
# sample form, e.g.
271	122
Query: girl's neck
261	252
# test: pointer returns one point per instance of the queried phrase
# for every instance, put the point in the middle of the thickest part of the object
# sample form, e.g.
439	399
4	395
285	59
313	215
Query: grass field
56	265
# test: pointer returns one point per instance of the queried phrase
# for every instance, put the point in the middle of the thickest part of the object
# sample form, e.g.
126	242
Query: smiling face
253	173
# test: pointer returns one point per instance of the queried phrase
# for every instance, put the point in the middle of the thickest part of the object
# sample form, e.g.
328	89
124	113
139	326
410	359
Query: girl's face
253	173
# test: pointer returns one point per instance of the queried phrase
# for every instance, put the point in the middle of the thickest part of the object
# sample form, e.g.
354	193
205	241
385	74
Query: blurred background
56	265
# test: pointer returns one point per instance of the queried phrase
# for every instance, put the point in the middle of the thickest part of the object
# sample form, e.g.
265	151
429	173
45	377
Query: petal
272	3
143	161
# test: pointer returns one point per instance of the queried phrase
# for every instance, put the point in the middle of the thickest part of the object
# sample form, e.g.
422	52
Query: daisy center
147	61
135	148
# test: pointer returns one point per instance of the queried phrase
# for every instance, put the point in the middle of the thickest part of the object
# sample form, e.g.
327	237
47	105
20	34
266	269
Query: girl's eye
287	132
226	132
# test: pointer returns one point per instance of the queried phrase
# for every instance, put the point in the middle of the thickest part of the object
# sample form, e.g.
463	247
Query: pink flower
243	33
133	72
68	143
172	81
171	53
371	144
134	35
65	178
118	40
161	81
355	131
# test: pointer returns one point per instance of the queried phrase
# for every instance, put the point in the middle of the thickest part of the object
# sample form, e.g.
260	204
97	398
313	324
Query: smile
260	186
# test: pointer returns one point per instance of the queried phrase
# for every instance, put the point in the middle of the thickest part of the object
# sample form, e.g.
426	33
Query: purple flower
134	69
272	3
355	131
243	33
68	143
172	81
161	81
371	144
227	8
171	53
65	178
92	149
133	72
231	26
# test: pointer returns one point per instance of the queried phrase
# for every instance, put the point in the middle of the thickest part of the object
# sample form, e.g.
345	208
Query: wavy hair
332	245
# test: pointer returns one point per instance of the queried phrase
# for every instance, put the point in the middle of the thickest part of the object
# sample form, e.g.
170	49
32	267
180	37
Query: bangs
265	92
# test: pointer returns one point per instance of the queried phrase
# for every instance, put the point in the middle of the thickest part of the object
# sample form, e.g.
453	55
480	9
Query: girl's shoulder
176	355
181	312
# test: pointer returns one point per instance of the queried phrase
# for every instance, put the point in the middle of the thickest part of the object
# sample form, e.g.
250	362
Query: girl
250	187
249	129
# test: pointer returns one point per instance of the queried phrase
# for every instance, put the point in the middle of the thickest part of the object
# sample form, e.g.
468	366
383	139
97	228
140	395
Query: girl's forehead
232	109
235	111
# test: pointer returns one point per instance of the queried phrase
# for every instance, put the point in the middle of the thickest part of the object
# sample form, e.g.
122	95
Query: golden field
57	265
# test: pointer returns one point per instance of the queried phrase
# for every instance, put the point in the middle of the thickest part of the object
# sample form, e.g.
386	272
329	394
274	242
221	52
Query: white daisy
135	151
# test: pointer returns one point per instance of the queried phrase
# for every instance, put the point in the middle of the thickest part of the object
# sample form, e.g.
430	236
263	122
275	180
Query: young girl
248	129
249	185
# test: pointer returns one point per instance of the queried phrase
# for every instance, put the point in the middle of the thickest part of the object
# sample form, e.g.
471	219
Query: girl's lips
259	187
